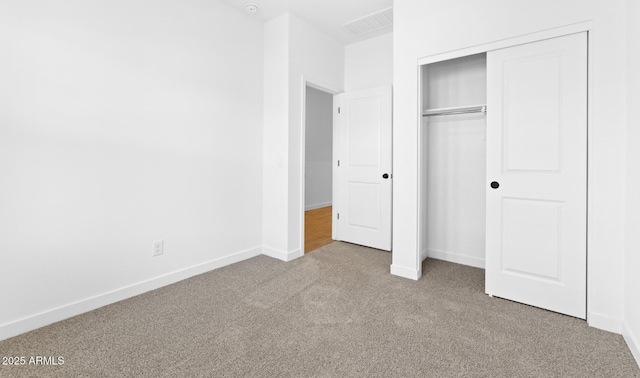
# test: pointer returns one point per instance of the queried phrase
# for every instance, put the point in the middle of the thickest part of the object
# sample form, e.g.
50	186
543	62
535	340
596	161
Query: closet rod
455	110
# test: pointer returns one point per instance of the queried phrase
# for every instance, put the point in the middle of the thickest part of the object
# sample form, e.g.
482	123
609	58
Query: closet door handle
385	176
495	184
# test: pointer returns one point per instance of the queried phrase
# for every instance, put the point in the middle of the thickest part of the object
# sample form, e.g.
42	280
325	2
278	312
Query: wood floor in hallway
317	228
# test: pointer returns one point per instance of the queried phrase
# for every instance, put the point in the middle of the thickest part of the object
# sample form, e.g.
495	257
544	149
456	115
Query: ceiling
326	15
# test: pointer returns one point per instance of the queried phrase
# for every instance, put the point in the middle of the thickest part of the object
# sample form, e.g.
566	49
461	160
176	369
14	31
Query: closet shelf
455	110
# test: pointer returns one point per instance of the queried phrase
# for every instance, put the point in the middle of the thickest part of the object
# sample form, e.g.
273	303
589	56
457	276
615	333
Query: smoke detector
252	8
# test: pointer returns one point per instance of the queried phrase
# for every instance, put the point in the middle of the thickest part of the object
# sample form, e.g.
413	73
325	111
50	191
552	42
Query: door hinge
338	163
338	110
338	216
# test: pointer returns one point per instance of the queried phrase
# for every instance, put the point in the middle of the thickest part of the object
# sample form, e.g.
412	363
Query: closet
454	132
503	166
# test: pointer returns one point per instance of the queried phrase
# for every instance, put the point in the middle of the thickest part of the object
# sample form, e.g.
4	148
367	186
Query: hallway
317	228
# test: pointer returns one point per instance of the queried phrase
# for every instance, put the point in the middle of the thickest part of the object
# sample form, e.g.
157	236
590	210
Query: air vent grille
373	22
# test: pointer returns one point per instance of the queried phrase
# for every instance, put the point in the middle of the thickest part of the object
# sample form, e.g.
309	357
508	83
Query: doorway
318	169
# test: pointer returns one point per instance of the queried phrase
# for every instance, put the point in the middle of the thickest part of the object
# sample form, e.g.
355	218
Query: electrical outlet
158	247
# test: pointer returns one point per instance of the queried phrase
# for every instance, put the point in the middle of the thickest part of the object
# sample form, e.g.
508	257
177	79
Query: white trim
303	165
405	272
456	258
578	27
604	322
591	286
317	206
420	147
322	88
632	342
57	314
280	255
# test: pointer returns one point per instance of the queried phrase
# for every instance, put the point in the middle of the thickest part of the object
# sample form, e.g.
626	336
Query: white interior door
363	211
537	154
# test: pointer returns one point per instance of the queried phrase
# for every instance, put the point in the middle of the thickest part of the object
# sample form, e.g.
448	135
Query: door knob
495	184
385	176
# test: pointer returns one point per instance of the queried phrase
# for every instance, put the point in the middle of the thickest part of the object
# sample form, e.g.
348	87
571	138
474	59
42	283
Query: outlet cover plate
158	247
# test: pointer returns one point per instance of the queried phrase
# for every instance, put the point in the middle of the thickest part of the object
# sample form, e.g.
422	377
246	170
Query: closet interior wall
453	154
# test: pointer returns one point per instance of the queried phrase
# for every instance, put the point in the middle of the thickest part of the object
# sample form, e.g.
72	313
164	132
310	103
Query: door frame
586	26
315	84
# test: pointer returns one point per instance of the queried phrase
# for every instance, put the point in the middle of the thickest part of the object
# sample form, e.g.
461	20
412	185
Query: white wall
275	136
369	63
319	59
454	159
122	123
318	149
428	28
632	254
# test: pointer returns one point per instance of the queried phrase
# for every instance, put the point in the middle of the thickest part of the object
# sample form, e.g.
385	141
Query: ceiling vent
373	22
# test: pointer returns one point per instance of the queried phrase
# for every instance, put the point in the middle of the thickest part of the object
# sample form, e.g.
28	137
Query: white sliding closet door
537	174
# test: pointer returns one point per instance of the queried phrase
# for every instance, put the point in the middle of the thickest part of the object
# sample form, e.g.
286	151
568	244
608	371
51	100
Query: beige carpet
336	312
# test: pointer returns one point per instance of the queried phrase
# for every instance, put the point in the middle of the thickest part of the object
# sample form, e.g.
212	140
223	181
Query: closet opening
453	160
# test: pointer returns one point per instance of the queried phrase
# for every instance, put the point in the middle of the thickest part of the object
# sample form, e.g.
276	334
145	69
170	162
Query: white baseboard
604	322
455	258
405	272
633	342
317	206
280	255
45	318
